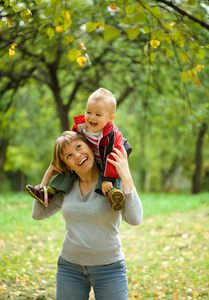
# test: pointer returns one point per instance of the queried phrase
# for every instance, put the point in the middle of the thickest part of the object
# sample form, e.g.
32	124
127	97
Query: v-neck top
92	227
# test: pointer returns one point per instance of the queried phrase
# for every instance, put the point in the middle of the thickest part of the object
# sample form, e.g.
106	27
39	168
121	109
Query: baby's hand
106	187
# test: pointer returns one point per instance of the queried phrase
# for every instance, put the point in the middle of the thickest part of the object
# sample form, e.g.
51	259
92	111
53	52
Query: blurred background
153	60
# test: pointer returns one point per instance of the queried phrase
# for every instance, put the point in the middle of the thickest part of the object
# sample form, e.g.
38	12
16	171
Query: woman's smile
83	161
78	157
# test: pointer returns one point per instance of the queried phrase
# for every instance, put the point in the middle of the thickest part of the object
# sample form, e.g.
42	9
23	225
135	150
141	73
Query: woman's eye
78	146
69	156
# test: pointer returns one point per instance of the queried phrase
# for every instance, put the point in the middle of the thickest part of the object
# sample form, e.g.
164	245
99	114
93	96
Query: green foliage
130	46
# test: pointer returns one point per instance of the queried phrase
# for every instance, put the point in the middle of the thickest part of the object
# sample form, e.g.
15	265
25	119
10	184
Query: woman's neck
90	177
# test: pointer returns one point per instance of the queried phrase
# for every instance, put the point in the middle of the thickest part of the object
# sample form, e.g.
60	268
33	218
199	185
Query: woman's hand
121	165
50	172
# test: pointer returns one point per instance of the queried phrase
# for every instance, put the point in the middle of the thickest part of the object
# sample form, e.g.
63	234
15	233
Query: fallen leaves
166	256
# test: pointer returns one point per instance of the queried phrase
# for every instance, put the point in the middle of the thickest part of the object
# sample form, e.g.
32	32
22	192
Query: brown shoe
116	198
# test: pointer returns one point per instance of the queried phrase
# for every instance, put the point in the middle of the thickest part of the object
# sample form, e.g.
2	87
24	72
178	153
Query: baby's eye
98	115
88	112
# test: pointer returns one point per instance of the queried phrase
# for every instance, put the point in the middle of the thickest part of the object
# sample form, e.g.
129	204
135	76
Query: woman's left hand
121	165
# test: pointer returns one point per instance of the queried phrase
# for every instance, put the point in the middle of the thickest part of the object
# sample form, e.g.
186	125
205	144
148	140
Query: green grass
166	256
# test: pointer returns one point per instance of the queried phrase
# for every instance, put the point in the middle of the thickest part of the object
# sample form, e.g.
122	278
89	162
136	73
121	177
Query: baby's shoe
116	199
38	193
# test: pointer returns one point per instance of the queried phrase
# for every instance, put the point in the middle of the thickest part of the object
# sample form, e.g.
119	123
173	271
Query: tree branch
184	13
125	93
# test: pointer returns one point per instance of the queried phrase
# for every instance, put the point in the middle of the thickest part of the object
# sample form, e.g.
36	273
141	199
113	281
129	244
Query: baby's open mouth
93	124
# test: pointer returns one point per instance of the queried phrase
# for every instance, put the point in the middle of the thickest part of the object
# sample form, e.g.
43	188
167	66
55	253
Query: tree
128	47
196	188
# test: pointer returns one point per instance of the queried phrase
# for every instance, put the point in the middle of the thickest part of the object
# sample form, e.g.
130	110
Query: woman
91	254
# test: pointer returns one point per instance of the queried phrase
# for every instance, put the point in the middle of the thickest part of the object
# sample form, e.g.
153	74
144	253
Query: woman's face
78	157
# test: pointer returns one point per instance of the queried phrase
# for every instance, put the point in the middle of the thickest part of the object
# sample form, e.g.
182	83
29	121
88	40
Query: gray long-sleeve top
92	227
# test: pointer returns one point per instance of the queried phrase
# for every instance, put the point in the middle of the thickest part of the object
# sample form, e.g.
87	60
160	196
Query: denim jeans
108	281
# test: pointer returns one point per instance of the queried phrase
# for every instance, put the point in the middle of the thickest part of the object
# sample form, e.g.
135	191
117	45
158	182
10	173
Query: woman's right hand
122	167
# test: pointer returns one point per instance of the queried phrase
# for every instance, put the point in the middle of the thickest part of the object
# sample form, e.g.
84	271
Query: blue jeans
108	281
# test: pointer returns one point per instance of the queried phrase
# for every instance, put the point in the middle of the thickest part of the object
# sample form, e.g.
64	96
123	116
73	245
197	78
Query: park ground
167	255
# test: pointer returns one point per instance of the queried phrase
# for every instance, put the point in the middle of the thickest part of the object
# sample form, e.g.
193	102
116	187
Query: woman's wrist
127	182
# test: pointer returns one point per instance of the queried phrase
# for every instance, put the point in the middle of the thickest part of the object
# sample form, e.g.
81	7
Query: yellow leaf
200	67
101	24
58	29
13	45
73	54
130	9
3	24
167	52
184	56
132	33
170	25
81	60
185	76
50	32
154	43
11	53
69	39
67	15
111	33
152	56
198	51
91	26
25	15
9	22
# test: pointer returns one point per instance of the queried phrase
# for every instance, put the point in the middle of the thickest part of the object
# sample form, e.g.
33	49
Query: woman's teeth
82	161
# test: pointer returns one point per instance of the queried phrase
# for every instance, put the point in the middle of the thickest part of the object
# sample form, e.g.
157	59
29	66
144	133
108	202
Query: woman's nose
76	155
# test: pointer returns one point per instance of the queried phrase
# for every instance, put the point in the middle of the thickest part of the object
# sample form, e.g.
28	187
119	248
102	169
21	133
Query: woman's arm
121	165
40	212
132	211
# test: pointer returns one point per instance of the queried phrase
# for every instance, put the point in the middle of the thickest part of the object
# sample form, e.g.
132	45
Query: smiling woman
91	254
72	152
66	152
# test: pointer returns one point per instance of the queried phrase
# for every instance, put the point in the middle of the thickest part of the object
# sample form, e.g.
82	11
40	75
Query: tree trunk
3	148
196	187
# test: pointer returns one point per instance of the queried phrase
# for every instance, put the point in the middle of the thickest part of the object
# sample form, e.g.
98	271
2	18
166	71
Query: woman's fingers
118	153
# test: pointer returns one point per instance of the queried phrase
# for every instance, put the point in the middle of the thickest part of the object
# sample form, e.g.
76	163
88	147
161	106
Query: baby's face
98	114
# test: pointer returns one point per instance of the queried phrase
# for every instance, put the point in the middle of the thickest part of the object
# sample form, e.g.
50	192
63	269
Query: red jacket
111	138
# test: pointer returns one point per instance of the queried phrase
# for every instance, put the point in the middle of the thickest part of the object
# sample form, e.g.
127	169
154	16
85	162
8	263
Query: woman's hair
66	138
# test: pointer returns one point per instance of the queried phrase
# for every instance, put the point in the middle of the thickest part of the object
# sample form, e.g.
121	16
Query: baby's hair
103	94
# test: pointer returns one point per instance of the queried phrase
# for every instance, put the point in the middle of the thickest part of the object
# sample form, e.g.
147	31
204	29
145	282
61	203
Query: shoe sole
117	199
34	196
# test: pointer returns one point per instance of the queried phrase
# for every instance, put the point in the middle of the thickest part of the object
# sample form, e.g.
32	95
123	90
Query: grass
166	256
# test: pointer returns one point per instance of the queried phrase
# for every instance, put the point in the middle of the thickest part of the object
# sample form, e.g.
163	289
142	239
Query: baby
103	135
